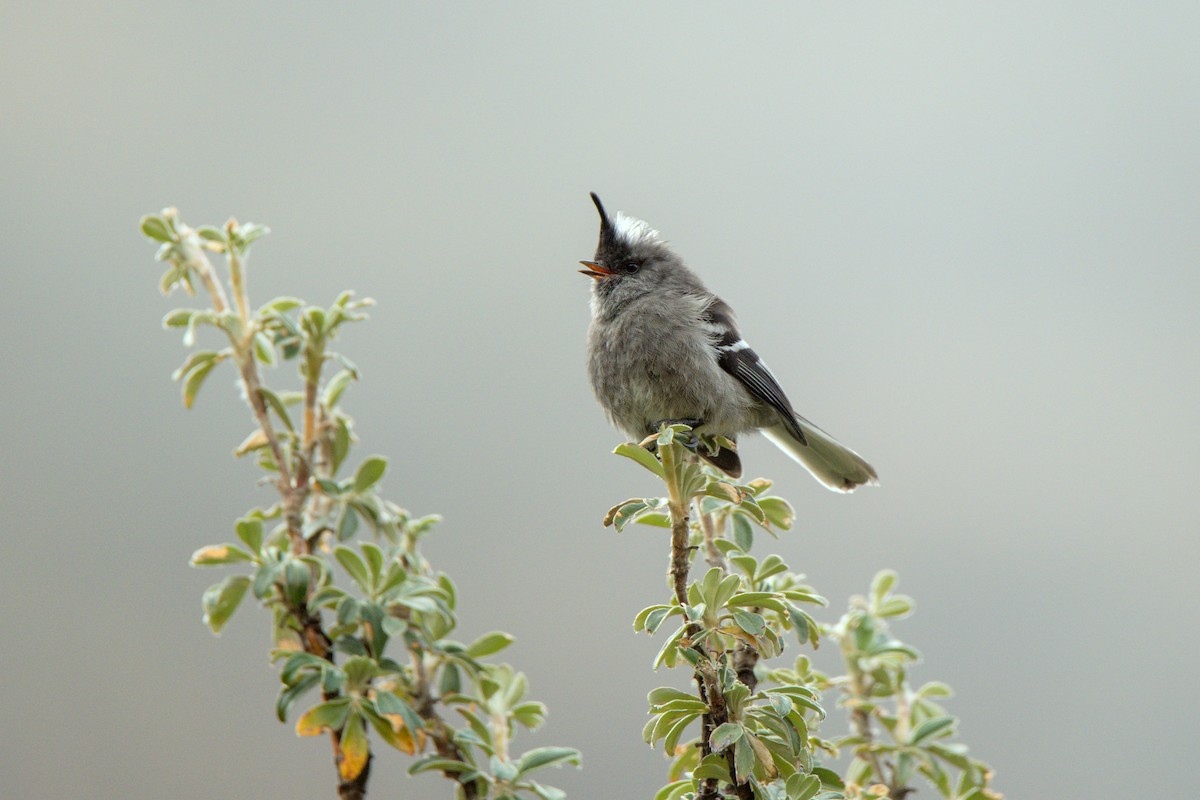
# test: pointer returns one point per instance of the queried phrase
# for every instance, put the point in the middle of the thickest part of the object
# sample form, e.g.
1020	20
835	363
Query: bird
662	348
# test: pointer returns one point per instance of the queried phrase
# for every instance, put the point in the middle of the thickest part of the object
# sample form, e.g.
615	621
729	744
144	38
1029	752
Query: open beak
595	271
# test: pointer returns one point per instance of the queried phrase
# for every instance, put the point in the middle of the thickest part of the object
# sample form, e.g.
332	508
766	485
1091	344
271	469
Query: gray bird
661	347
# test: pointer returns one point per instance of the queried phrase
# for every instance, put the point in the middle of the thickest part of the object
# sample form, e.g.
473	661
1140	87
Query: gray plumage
663	347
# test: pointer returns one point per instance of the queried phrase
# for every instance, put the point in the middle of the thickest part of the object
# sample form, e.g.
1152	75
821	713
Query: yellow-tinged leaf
352	749
322	717
253	442
403	739
214	552
763	755
740	634
287	639
309	724
729	491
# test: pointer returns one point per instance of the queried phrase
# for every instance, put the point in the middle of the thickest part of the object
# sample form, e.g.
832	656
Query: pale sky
963	235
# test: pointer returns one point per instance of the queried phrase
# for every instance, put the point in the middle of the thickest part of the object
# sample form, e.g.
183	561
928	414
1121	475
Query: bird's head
631	258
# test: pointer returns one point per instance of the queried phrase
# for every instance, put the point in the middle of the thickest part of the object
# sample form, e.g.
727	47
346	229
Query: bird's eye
631	267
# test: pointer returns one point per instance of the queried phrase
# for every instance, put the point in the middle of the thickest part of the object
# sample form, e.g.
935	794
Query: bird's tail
832	463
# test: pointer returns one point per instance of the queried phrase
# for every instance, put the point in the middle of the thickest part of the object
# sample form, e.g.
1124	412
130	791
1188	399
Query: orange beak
595	271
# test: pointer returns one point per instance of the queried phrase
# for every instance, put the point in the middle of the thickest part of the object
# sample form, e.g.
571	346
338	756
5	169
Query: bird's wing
739	360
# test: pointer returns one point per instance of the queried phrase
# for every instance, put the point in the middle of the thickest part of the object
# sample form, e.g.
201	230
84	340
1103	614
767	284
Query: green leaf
335	387
898	606
547	792
179	318
726	734
348	524
288	695
713	766
750	506
348	609
814	631
743	760
359	671
354	565
751	599
709	586
771	565
621	515
369	472
489	644
296	577
195	381
211	234
329	487
807	702
443	764
777	511
665	694
894	647
743	533
251	231
751	623
196	359
531	713
666	654
658	616
347	364
802	787
156	228
641	455
222	599
931	728
542	757
829	779
676	731
951	754
250	531
277	406
882	583
935	689
747	564
264	351
673	790
682	704
374	558
215	554
639	622
282	304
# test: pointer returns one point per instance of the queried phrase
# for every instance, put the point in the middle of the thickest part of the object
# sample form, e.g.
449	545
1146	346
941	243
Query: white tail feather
836	466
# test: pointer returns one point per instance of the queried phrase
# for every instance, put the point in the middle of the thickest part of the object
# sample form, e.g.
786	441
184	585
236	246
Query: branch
707	679
439	732
859	718
712	554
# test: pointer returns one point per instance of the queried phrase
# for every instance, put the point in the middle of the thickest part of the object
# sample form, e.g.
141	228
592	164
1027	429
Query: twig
439	733
862	721
712	554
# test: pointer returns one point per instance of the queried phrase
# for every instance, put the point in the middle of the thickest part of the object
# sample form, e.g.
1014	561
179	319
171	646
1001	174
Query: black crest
608	237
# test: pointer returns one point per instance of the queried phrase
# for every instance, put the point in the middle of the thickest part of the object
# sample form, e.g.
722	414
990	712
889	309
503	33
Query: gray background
964	236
